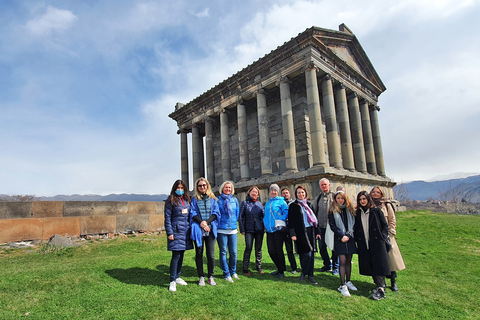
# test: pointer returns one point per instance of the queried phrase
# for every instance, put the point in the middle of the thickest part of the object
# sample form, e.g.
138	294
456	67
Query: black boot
394	286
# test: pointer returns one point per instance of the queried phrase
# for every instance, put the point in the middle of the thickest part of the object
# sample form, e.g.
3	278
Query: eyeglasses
202	185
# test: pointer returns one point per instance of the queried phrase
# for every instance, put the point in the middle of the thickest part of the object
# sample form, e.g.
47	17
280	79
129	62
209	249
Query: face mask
179	192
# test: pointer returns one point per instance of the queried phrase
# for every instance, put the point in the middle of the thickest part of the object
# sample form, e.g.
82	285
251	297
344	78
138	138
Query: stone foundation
40	220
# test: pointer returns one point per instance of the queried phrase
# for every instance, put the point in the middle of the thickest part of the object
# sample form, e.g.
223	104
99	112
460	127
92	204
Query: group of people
331	220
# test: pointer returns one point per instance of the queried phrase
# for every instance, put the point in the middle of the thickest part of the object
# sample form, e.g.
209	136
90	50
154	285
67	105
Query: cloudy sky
86	86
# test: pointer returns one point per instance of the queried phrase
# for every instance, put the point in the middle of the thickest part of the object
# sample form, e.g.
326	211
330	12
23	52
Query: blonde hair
223	186
209	192
348	204
379	189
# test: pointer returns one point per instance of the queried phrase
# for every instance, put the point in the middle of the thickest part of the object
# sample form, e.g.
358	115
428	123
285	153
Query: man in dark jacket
320	207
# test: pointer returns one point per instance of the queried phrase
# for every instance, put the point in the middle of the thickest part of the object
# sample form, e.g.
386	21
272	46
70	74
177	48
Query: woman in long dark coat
303	228
371	230
177	226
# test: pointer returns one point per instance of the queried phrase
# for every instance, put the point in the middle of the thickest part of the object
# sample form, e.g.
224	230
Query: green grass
127	278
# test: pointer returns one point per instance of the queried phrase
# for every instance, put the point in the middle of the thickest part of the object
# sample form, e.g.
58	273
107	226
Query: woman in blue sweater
276	212
177	224
227	230
251	226
205	216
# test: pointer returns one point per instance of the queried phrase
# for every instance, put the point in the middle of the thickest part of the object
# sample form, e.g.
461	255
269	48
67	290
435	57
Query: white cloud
53	20
202	14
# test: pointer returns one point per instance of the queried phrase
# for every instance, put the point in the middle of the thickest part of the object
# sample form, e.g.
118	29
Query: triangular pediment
344	47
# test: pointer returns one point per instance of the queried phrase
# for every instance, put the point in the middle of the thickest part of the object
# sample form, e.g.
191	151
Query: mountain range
466	189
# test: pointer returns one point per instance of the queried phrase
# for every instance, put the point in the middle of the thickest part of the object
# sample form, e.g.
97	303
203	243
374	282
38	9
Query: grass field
127	278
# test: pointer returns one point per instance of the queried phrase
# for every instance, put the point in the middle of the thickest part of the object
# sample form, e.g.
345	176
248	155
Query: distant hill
464	188
110	197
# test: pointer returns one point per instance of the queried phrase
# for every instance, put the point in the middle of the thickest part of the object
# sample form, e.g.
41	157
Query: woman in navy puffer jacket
251	226
177	223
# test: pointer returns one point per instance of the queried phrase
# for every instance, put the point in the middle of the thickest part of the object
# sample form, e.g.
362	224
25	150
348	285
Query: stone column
265	160
287	124
196	149
344	126
367	138
333	141
377	142
209	150
184	156
243	141
357	137
225	146
316	127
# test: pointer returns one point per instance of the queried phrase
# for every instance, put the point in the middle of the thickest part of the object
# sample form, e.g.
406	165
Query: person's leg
222	240
271	248
335	262
180	263
290	254
210	249
258	250
174	265
348	267
322	248
342	259
248	250
199	257
279	239
232	253
393	280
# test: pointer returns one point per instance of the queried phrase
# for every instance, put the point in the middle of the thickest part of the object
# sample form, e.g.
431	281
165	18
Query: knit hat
275	186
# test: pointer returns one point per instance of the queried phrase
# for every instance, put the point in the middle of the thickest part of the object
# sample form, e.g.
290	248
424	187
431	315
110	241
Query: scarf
310	216
227	204
379	202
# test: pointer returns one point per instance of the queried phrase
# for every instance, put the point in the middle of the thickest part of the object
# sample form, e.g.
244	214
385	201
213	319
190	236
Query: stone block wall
40	220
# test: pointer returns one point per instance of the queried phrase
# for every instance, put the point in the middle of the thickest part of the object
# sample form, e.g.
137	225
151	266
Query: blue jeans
228	242
176	265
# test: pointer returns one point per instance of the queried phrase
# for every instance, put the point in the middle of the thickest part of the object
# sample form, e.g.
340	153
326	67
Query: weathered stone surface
98	224
157	222
159	207
69	226
128	223
13	210
106	208
20	229
60	241
79	208
137	207
47	209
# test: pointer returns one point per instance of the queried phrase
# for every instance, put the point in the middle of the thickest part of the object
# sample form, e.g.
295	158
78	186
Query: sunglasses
202	185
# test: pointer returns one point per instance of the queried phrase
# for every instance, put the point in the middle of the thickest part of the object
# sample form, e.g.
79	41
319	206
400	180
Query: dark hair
174	199
303	188
367	195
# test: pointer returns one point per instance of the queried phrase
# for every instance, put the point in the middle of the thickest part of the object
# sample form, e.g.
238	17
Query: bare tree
18	197
401	193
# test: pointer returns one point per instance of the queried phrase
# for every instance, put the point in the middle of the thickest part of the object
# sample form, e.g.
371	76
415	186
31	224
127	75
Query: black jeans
379	281
322	248
249	238
290	253
275	242
209	243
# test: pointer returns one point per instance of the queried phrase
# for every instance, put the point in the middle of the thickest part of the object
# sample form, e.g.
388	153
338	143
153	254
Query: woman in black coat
251	226
302	225
371	232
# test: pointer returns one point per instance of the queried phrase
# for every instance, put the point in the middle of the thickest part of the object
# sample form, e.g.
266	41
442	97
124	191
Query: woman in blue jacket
251	226
177	224
227	230
205	216
276	212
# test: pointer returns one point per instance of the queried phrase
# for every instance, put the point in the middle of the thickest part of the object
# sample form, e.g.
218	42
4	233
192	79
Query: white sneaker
173	286
201	282
235	276
344	291
211	281
350	286
229	279
181	282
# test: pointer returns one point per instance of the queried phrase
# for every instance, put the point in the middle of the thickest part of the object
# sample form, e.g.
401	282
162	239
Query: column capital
239	100
340	86
352	95
261	91
374	107
207	119
327	76
282	79
310	66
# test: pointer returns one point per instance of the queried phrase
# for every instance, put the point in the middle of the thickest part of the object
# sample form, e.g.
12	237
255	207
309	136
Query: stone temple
304	111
